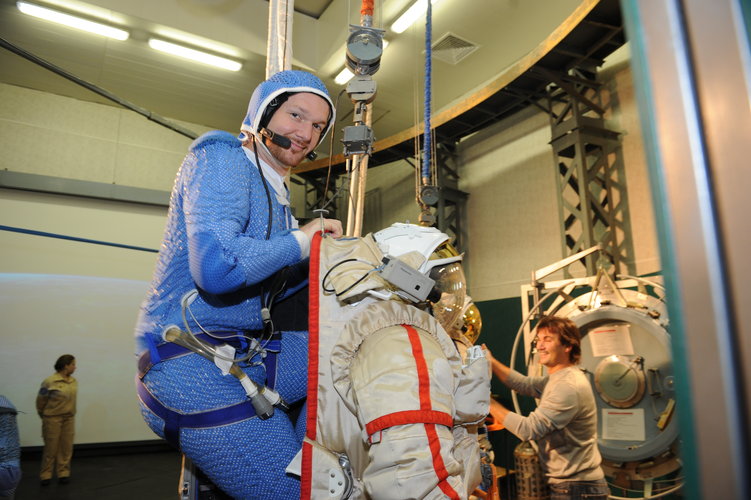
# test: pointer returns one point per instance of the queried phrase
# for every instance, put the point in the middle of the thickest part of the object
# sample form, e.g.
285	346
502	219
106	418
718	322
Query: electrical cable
97	90
359	280
262	398
265	185
278	286
253	350
331	151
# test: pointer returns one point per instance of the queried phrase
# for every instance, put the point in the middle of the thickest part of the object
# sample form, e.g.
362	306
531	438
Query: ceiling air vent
452	49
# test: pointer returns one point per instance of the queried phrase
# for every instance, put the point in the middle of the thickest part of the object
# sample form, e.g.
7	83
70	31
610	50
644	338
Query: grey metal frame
691	65
451	208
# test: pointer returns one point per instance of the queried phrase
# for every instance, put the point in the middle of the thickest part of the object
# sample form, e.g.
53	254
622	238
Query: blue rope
74	238
428	52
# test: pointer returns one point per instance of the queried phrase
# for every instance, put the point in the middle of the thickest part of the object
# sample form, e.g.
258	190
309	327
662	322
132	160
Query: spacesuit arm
556	409
221	198
404	388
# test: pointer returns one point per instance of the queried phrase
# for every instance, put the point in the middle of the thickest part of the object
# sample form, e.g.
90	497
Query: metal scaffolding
451	207
591	181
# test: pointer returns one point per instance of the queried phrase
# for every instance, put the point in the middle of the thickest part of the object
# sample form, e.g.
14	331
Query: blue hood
285	81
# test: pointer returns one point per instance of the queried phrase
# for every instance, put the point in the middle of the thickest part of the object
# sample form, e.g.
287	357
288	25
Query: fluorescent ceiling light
411	15
200	43
344	76
194	55
72	21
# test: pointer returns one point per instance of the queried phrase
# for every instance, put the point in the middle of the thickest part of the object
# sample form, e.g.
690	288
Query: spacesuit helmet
271	94
471	321
440	261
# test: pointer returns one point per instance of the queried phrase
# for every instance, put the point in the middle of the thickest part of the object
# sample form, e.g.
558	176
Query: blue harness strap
272	350
174	420
168	350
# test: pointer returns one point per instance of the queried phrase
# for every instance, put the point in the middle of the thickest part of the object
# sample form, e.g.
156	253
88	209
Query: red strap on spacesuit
313	345
425	415
408	417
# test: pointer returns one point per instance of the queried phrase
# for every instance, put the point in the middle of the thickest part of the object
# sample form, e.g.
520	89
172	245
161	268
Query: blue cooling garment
216	252
215	244
10	449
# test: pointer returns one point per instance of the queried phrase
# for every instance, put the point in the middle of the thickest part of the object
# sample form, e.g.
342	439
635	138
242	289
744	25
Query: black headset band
271	108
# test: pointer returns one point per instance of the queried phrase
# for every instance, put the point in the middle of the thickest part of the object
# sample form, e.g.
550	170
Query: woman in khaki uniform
56	405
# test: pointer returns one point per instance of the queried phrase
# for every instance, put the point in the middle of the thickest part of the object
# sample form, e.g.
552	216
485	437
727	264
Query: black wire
265	185
331	290
331	157
278	284
97	90
276	289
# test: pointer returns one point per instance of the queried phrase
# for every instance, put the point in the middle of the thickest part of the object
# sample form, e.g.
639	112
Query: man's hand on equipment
331	227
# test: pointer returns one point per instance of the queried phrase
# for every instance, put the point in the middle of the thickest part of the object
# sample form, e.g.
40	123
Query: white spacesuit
392	411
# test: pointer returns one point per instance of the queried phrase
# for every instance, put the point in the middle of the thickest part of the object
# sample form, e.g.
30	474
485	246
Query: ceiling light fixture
411	15
343	77
72	21
194	55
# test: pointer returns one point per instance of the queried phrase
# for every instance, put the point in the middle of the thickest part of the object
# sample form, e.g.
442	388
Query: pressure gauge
620	381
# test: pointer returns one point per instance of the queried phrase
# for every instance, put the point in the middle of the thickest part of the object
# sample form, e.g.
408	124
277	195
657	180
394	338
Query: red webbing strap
408	417
425	405
313	363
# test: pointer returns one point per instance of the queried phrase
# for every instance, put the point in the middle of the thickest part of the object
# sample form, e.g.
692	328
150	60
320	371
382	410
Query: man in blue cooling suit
211	362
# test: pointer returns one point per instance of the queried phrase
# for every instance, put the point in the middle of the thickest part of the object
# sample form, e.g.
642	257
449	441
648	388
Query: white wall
59	296
513	214
47	134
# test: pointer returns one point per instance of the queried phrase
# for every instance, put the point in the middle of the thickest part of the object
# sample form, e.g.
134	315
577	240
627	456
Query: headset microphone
284	142
278	139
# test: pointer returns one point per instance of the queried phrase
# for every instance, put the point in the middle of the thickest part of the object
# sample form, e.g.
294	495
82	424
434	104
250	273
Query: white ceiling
503	30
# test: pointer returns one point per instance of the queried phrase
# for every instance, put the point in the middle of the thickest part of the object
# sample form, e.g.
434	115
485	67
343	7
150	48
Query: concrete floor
141	476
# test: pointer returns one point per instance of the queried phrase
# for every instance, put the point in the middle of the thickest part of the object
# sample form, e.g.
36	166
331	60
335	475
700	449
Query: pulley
364	49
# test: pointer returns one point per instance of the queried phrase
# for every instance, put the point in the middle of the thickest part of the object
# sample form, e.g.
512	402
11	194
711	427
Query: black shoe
63	480
44	482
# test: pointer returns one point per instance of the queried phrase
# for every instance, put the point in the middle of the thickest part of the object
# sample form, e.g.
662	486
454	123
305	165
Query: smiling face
551	352
302	119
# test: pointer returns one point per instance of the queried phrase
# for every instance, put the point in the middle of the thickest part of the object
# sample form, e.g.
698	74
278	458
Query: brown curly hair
567	331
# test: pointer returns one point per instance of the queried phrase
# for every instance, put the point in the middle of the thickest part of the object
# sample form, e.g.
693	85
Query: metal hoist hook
321	212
